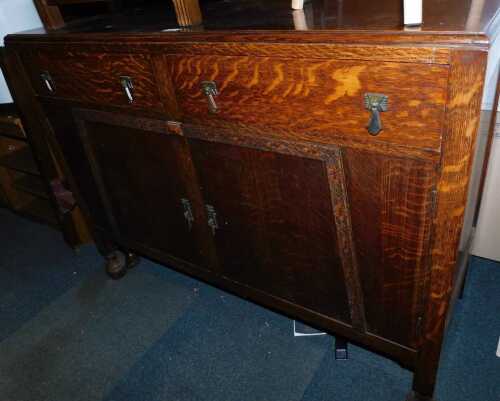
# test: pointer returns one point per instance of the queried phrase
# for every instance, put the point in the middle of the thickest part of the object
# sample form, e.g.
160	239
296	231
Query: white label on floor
498	348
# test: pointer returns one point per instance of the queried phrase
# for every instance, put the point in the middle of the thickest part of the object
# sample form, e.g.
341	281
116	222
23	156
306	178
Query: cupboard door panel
143	175
391	202
276	227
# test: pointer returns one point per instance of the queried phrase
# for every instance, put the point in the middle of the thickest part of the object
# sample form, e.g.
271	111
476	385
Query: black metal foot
341	348
116	265
413	396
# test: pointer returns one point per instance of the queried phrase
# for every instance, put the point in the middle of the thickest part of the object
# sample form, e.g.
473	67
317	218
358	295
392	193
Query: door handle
128	87
376	103
48	81
188	212
209	89
212	218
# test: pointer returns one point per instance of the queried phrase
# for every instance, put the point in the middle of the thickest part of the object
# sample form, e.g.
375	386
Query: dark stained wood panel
316	100
140	170
95	77
276	224
65	132
391	203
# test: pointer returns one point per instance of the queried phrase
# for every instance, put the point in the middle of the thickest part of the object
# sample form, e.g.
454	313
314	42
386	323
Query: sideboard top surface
447	21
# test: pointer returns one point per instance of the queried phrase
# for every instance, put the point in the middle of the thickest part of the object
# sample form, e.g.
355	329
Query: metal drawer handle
375	102
128	87
188	212
209	89
212	218
48	81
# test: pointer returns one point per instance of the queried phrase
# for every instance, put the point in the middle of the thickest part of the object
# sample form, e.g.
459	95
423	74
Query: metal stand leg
341	348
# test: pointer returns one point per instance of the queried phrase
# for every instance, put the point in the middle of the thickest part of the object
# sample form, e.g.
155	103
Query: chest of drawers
322	174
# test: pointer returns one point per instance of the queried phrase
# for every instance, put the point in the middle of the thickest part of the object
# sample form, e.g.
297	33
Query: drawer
317	100
94	78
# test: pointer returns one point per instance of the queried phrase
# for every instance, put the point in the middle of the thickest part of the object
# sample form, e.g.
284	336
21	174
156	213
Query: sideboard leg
116	264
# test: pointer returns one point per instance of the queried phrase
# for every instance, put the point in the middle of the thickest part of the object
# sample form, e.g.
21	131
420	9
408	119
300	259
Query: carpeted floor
69	333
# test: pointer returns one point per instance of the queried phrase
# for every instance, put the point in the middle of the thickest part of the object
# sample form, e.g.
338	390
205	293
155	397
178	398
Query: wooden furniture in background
322	173
188	12
54	16
25	190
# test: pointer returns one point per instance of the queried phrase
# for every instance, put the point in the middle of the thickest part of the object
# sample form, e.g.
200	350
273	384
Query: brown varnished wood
264	240
391	203
403	355
465	90
406	53
315	98
95	77
49	14
153	41
331	157
233	131
368	226
64	137
36	128
117	148
426	55
347	250
165	87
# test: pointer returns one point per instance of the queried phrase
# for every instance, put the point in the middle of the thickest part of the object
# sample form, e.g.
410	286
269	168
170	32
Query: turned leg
116	264
117	261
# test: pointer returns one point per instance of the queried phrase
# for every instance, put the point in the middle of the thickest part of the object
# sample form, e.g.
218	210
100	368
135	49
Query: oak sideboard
322	172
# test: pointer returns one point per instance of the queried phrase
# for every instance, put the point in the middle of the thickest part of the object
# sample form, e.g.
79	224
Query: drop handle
128	88
188	212
209	89
375	103
48	81
212	218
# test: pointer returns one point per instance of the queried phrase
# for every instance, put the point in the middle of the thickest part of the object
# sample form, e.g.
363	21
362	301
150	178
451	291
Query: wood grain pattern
406	54
343	37
235	130
138	165
317	98
330	156
95	77
465	90
340	205
290	104
391	202
287	249
403	53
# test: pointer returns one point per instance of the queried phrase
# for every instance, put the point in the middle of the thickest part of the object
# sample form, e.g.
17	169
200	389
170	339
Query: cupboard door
144	176
392	202
273	221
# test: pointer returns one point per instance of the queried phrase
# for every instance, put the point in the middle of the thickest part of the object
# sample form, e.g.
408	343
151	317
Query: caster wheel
132	260
116	265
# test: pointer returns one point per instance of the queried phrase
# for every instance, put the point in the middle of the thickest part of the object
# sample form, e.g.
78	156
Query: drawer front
95	78
315	99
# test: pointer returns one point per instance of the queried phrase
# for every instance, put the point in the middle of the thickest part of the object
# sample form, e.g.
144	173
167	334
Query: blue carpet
67	332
